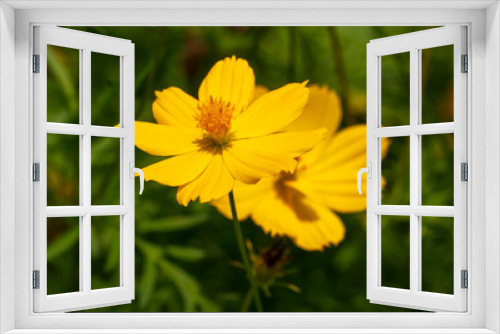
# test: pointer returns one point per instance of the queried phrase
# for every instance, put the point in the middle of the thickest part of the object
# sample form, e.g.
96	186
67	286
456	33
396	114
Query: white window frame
85	44
413	44
483	20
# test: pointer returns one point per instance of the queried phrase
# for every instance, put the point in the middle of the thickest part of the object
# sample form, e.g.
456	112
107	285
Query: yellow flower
225	135
299	204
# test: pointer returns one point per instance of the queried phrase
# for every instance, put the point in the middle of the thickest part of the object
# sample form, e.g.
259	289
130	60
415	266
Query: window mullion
85	166
127	116
81	240
414	172
122	185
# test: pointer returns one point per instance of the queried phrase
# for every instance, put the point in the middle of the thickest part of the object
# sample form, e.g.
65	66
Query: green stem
149	85
291	54
244	254
340	68
247	301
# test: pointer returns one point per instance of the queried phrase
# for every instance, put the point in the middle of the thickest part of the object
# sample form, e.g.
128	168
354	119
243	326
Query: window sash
86	43
413	43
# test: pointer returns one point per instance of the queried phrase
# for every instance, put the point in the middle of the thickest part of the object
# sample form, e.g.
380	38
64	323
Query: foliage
184	255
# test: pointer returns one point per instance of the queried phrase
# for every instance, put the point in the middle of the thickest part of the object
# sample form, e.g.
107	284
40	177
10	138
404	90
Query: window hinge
36	279
464	171
465	64
36	63
465	279
36	172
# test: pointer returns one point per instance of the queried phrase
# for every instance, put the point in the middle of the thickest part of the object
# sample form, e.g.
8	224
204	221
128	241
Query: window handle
134	170
368	171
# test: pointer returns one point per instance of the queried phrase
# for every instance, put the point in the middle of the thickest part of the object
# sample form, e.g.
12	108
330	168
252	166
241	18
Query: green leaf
185	283
190	290
173	224
113	258
141	77
185	253
207	305
148	283
63	243
57	66
151	251
94	245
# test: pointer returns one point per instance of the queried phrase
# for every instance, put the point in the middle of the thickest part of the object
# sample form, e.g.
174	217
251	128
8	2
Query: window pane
437	84
395	94
63	255
105	234
105	171
63	71
396	172
63	170
395	251
437	170
437	254
105	94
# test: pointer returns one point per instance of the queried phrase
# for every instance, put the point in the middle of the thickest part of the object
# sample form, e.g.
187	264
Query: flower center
292	197
215	118
285	192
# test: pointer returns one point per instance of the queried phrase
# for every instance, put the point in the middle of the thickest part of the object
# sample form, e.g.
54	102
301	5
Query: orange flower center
214	117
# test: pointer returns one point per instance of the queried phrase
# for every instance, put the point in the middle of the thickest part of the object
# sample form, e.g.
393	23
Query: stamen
215	118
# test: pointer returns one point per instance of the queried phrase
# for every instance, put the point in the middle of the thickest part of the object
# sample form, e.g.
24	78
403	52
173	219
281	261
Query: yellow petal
271	112
163	140
292	143
343	198
343	148
310	158
175	108
246	196
341	195
310	225
343	203
249	166
259	91
333	176
347	148
323	109
301	184
231	80
178	170
251	159
214	182
384	143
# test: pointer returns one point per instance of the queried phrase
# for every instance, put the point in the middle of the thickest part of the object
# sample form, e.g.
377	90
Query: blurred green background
184	255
